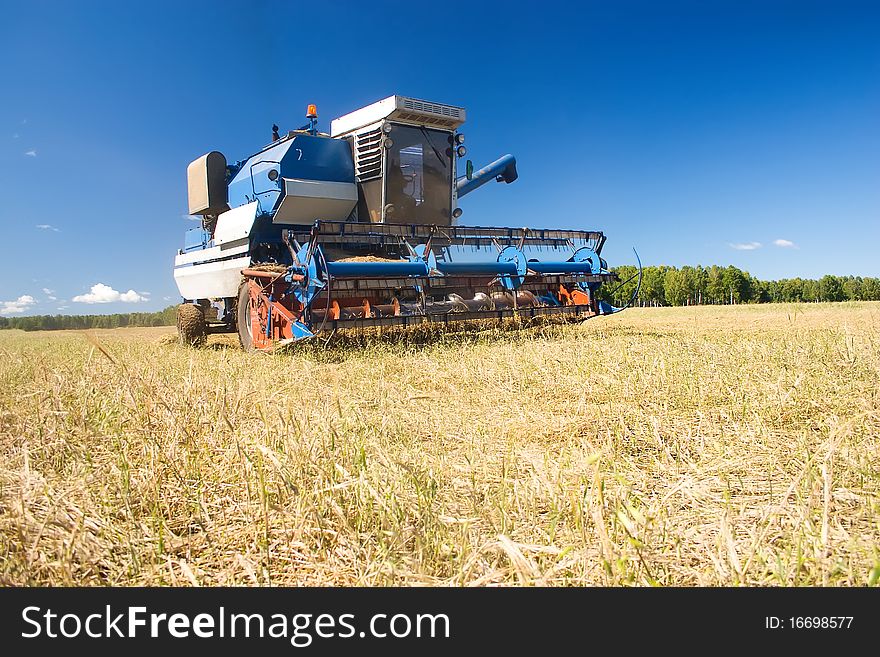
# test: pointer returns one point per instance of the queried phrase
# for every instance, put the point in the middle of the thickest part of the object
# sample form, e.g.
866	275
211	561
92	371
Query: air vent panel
368	155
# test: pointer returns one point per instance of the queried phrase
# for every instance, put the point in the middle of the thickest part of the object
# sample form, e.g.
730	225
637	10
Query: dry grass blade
91	338
526	571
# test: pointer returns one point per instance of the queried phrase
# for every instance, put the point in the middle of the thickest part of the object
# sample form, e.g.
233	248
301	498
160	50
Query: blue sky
698	132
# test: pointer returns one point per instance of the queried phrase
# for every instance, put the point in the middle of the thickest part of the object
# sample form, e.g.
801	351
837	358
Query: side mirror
469	170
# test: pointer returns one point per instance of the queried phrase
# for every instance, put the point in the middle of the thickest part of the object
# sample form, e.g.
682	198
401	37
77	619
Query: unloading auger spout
502	170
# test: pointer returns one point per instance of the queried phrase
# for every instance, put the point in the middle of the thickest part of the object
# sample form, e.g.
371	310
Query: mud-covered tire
191	329
243	317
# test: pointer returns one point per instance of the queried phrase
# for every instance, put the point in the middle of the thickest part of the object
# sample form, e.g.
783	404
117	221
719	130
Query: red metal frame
278	314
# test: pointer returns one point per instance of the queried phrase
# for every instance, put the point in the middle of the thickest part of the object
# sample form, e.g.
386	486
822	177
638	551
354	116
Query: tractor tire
243	317
191	328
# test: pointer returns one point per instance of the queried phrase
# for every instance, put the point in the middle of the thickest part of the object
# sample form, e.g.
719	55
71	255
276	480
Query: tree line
670	286
167	317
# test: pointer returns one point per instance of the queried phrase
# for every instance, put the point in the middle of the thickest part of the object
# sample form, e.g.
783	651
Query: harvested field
671	446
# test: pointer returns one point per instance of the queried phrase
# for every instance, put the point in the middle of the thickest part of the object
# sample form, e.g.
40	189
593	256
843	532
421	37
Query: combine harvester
355	229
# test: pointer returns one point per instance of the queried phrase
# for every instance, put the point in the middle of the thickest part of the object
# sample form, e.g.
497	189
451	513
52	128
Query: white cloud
31	153
63	307
166	298
131	297
18	306
745	246
48	227
785	244
15	136
46	290
101	293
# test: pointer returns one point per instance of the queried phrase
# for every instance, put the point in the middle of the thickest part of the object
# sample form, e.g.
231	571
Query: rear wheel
243	317
191	328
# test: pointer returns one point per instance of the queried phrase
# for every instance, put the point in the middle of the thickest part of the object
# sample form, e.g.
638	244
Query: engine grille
368	155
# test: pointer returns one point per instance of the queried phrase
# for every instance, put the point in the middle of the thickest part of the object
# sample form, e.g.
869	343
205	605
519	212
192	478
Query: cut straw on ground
687	446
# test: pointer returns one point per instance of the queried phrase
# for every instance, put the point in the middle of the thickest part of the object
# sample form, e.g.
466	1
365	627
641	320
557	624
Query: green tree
700	284
715	288
675	287
792	290
830	288
623	290
736	285
852	288
811	290
871	289
652	286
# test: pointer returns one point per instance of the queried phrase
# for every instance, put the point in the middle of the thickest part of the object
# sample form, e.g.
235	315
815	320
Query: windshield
418	176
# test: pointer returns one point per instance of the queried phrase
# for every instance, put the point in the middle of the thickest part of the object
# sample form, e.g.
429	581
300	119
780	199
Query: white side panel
214	253
211	280
306	201
235	224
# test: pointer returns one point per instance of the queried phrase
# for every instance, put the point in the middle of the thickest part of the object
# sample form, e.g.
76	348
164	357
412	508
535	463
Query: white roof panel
402	109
